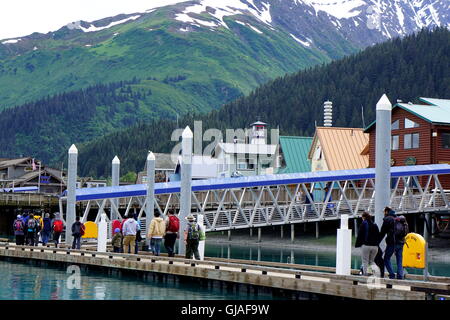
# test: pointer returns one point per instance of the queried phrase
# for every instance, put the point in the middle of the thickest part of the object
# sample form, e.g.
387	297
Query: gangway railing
237	203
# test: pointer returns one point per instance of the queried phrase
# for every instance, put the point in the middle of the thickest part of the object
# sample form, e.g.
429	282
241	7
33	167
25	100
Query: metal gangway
270	200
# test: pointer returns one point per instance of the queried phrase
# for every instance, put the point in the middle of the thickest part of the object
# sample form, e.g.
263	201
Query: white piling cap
187	133
151	156
116	160
384	103
73	149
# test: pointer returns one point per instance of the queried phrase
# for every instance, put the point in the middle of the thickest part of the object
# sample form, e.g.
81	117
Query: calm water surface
29	282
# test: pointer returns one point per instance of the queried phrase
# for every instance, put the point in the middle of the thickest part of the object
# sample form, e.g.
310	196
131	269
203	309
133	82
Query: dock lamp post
115	182
150	190
71	192
382	158
186	184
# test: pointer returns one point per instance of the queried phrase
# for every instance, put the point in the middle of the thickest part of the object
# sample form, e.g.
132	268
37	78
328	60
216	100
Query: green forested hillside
418	65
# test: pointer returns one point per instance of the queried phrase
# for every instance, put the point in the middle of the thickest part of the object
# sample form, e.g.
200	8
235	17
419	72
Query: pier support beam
426	236
259	234
115	181
251	232
355	226
317	230
281	232
150	203
186	184
201	244
229	235
71	192
292	233
382	158
102	234
344	248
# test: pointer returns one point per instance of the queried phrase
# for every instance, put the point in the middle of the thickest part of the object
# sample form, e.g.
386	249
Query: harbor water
29	281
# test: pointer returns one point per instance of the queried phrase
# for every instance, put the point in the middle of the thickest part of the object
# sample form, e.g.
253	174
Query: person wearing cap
116	241
129	230
18	226
192	238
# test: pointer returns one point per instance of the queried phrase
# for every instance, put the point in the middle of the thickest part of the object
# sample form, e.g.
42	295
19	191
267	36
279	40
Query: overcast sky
23	17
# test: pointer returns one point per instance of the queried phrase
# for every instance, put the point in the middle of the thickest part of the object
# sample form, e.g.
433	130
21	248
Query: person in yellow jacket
156	233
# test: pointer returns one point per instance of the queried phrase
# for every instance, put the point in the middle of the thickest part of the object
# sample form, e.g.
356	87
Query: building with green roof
294	154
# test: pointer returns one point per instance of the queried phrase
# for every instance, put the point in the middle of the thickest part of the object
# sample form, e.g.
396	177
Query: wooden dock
287	277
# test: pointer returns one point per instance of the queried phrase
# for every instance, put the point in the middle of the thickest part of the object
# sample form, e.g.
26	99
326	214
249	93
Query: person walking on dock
129	229
192	238
58	228
138	233
368	239
46	229
116	241
156	233
19	230
77	232
172	232
31	226
395	229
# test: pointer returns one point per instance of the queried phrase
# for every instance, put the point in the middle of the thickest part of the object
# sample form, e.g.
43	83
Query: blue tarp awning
256	181
19	189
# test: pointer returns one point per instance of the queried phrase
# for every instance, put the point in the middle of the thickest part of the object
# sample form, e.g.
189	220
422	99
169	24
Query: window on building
411	141
446	140
395	125
395	142
410	124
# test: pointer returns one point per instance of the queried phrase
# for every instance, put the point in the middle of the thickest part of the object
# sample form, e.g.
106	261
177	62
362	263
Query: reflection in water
302	256
20	281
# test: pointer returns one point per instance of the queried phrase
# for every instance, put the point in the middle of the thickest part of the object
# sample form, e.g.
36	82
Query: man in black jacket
394	244
77	233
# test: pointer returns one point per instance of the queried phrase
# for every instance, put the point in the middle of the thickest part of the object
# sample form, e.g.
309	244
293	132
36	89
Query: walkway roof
256	181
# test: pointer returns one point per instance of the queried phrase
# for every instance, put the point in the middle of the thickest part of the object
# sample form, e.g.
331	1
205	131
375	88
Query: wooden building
420	134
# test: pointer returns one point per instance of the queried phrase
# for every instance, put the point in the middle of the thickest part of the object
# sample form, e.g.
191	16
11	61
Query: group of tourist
29	228
395	228
126	235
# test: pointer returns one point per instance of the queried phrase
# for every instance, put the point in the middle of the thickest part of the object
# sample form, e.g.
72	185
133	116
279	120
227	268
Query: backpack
31	225
58	226
400	228
82	229
174	224
18	226
194	232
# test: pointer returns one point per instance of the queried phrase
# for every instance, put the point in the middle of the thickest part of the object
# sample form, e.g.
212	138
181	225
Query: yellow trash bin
414	251
91	230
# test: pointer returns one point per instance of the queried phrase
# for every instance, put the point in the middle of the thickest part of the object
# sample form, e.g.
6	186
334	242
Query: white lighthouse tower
258	133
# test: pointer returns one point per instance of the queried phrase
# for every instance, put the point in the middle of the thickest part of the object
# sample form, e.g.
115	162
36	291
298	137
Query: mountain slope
152	44
418	65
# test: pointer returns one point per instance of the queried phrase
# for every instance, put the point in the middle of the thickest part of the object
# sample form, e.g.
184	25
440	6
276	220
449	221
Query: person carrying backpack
58	228
31	226
395	229
156	233
172	232
39	225
19	227
46	229
192	238
77	232
116	240
368	239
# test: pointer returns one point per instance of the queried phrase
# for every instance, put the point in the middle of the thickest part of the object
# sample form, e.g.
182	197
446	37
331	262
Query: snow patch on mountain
11	41
336	8
93	28
305	43
224	9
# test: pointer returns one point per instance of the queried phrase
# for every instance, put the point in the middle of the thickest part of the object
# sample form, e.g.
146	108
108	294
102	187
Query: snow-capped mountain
363	22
